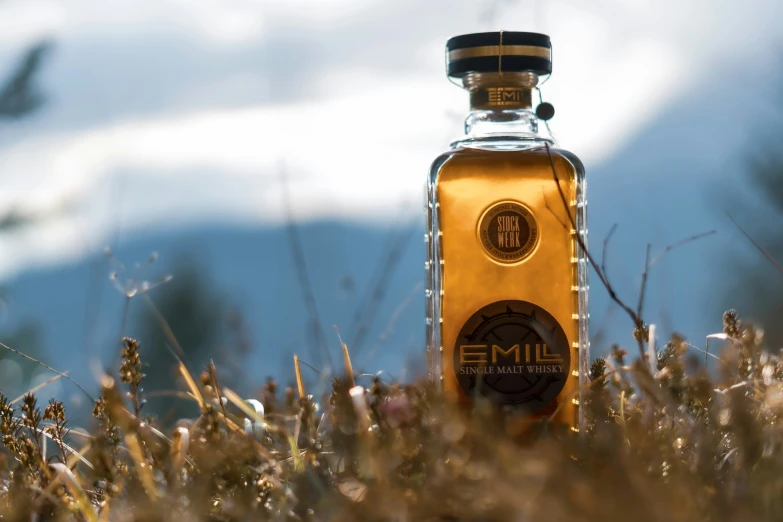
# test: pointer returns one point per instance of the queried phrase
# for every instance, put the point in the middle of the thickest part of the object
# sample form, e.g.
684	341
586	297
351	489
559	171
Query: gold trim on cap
501	50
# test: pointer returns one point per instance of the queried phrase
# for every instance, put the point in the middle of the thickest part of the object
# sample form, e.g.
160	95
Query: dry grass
668	444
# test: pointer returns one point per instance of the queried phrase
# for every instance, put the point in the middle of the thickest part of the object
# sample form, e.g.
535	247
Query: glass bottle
506	276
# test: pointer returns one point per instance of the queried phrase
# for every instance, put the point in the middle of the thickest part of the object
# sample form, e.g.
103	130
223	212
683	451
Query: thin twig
551	210
125	310
300	265
759	247
216	385
93	301
169	393
36	361
42	385
636	316
606	248
126	420
597	337
643	288
167	331
117	353
680	243
346	359
299	383
316	370
374	376
377	292
599	272
389	328
706	353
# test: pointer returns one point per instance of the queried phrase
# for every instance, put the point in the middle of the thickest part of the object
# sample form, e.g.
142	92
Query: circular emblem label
508	231
513	352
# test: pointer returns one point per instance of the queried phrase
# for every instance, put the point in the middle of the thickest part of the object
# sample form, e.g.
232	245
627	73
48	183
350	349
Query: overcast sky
171	112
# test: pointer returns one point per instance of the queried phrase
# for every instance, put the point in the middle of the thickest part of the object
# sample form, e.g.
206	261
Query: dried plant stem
596	267
61	374
183	370
164	325
393	318
125	313
606	247
300	266
44	384
299	383
66	476
643	286
622	417
179	449
346	359
368	307
761	249
120	414
75	455
213	377
635	315
142	466
194	390
680	243
123	324
617	371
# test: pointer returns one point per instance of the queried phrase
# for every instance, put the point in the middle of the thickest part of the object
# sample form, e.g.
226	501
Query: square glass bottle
506	276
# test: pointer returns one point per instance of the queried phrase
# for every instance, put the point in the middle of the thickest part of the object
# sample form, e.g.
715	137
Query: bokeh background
273	155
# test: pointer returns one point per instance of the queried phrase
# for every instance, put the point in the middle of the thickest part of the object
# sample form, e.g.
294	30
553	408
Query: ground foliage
670	440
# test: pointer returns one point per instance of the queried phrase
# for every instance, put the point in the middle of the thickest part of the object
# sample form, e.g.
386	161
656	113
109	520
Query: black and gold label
508	232
513	352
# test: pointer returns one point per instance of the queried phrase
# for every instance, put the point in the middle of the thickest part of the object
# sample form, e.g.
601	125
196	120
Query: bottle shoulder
463	160
572	158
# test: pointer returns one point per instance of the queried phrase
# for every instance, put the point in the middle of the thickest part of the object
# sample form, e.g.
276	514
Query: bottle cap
498	52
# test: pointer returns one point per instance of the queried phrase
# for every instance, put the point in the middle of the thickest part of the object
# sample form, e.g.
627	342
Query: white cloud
357	140
362	155
218	21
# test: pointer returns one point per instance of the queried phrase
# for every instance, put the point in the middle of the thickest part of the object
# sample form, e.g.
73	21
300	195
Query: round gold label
508	231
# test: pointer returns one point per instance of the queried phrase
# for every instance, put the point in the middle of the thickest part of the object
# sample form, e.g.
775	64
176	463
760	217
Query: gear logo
515	353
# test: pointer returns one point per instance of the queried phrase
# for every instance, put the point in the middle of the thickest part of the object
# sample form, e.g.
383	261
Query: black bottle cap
499	51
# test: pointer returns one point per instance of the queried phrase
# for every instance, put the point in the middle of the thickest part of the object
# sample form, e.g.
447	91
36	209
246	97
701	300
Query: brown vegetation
667	443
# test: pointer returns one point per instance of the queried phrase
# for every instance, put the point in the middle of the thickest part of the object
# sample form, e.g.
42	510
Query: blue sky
174	113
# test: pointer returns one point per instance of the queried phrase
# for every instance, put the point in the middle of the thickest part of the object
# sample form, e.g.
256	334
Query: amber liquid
468	182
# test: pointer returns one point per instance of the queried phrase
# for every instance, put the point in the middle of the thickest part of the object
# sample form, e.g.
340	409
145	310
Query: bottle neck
501	108
512	123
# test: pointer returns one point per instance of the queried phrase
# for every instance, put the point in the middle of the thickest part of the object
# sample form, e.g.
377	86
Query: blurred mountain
250	275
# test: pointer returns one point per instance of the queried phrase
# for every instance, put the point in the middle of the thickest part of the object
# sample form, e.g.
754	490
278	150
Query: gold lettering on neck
501	97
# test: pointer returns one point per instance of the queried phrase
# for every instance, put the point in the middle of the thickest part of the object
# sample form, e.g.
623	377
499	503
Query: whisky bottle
506	275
